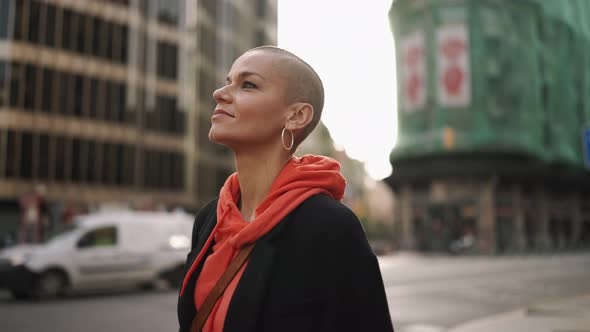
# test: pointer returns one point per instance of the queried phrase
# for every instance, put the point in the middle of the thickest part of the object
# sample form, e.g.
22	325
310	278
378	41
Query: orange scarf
298	180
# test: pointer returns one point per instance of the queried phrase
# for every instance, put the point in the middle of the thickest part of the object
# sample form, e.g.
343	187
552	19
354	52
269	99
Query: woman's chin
217	138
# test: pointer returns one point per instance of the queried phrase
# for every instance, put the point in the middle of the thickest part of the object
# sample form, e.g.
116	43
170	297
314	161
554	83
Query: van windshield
61	232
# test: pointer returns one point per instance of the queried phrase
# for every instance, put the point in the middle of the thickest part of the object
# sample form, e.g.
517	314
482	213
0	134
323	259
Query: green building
493	101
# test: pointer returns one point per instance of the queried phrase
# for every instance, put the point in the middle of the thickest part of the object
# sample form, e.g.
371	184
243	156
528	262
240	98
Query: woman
311	268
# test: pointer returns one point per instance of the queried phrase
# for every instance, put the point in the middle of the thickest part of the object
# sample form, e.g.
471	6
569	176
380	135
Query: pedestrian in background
293	258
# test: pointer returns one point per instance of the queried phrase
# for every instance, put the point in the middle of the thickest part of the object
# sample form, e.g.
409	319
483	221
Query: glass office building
110	101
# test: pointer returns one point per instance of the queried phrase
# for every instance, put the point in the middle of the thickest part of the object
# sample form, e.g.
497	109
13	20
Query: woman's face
251	107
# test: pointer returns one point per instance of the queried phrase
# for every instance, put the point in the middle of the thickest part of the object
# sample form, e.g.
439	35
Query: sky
350	45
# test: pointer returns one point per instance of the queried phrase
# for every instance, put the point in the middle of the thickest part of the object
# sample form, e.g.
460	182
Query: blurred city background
105	106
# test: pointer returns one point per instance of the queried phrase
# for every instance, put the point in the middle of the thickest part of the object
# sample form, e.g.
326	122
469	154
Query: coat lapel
186	304
248	297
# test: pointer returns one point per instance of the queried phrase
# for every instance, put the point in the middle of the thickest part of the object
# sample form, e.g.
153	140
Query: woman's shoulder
323	212
333	226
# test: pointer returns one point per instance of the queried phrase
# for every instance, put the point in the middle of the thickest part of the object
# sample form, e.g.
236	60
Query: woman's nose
221	95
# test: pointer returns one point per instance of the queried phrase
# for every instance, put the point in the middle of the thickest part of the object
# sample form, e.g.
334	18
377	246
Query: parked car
101	250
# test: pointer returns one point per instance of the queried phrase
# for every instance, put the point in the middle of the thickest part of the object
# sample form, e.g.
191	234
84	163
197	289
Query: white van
107	249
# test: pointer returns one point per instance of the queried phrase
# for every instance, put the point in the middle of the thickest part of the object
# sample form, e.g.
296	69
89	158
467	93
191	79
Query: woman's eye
248	85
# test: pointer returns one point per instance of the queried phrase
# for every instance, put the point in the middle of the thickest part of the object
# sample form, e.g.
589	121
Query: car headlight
179	242
18	259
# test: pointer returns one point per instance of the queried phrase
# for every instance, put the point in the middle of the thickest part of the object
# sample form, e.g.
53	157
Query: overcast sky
350	45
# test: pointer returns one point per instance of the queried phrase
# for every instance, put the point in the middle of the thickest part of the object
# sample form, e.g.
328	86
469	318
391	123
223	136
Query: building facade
109	101
492	106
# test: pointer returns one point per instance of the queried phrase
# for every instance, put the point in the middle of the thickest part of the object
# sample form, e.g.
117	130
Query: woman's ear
299	116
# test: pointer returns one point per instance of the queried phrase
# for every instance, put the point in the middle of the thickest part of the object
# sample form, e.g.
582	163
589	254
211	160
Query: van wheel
50	284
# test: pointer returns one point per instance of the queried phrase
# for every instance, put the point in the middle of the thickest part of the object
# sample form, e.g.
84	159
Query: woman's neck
256	174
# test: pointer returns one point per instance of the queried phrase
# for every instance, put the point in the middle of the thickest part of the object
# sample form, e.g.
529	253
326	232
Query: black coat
314	271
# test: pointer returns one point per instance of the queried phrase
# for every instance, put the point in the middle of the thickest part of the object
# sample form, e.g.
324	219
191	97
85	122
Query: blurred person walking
277	251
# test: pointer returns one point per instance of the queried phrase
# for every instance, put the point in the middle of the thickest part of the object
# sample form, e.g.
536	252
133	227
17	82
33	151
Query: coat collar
186	304
248	297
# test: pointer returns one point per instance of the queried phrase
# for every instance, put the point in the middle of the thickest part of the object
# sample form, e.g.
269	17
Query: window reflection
4	15
169	11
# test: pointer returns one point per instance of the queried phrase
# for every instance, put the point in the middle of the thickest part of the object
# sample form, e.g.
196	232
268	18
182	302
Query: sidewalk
571	314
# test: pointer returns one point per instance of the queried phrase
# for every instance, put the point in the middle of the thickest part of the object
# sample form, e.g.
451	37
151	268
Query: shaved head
303	85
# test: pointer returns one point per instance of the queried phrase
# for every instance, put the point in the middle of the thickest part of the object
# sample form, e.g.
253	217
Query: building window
50	24
116	102
261	8
101	102
42	170
128	165
108	163
124	44
66	98
67	25
92	98
10	157
120	100
208	43
26	155
151	162
19	14
92	161
14	92
210	7
169	11
4	16
166	107
60	104
178	171
118	45
108	40
34	20
165	182
30	87
167	59
4	83
180	122
77	91
151	119
96	37
83	163
47	90
83	40
60	158
75	161
120	159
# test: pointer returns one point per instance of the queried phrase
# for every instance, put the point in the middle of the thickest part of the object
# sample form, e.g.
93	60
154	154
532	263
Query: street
425	294
435	293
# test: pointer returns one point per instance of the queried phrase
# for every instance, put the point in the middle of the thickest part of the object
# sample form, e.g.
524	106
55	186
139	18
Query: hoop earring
288	148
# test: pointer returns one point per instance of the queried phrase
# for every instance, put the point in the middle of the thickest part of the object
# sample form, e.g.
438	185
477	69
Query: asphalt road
436	293
424	294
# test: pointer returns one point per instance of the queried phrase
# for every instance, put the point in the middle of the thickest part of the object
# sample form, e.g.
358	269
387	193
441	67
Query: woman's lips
220	113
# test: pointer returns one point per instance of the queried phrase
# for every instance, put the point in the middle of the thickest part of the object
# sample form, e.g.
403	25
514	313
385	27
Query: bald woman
277	251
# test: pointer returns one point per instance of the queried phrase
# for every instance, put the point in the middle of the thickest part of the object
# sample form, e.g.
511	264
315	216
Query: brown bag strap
215	293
